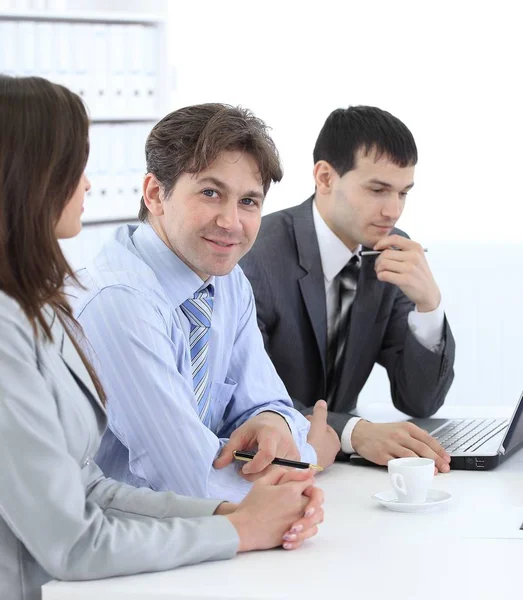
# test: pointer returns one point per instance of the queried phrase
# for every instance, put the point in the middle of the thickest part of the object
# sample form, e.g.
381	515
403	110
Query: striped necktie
198	310
347	282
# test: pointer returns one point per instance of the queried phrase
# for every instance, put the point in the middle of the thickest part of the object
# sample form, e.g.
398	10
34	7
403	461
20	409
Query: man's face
211	219
363	206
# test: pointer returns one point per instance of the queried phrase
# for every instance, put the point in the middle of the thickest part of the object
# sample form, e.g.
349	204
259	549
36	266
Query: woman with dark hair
59	516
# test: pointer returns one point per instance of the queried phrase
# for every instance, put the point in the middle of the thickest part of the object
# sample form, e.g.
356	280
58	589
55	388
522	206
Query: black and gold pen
283	462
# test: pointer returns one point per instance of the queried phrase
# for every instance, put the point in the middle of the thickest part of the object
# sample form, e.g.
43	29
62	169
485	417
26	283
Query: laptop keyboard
467	435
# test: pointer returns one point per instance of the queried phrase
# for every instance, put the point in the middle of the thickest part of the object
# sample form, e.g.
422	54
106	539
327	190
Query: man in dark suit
328	314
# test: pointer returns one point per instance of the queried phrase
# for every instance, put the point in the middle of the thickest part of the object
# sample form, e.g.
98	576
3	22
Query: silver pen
376	252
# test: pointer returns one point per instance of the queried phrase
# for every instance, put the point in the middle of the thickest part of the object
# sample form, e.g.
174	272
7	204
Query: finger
239	440
319	415
398	241
295	540
300	486
266	453
397	256
398	279
226	455
307	522
426	438
400	451
273	476
296	475
316	499
425	451
253	477
394	266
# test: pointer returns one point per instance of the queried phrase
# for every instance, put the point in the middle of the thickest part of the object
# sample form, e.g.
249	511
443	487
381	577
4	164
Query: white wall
451	70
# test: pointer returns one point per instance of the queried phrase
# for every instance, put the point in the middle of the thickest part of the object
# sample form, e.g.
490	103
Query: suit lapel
363	316
312	283
71	357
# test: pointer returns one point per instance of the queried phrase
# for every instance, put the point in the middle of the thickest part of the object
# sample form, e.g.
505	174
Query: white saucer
389	499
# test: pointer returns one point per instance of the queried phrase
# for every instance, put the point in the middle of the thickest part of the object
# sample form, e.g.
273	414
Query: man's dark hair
348	130
190	139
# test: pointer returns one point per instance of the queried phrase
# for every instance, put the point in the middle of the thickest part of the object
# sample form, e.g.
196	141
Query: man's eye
210	193
403	195
248	202
377	190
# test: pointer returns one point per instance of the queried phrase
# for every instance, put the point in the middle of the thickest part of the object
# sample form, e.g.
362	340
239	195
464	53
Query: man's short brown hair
190	139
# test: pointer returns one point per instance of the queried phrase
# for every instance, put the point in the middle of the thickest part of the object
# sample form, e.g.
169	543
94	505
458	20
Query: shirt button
87	461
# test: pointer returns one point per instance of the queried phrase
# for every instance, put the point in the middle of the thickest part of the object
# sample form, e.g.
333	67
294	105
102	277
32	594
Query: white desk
471	548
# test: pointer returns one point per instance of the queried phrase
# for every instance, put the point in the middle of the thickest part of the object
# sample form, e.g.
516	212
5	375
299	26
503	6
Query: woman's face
70	223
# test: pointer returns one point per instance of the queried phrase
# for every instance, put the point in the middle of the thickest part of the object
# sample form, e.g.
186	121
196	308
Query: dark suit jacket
284	268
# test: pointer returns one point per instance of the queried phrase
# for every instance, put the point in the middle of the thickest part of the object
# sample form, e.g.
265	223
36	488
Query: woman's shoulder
10	309
13	318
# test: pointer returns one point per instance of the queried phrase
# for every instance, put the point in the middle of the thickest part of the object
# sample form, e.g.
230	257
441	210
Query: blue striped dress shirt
138	337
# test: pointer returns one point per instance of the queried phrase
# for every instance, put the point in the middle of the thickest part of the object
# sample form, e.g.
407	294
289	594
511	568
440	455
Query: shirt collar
178	280
334	253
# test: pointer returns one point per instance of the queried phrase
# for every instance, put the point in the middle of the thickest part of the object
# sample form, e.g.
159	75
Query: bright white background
452	71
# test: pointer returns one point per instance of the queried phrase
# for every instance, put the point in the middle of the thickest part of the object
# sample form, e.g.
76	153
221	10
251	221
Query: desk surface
472	547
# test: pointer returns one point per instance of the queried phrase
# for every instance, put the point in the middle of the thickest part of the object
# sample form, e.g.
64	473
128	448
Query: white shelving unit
114	55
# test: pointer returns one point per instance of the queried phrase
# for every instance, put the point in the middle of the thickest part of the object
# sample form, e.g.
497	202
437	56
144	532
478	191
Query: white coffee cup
411	478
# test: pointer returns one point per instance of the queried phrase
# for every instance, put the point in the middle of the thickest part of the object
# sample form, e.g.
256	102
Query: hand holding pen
269	433
402	262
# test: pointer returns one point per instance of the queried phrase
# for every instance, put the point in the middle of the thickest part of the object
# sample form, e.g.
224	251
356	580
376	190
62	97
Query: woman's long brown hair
44	145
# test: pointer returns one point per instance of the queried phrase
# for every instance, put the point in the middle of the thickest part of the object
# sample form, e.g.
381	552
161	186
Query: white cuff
427	327
346	435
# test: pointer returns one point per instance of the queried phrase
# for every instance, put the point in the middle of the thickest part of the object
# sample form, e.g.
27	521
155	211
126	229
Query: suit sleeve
267	321
109	530
419	379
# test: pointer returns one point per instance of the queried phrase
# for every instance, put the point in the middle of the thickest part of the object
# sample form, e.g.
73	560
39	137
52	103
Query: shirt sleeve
151	407
259	387
346	435
427	328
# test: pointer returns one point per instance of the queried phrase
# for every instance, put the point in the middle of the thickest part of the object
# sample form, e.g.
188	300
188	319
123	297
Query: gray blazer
284	268
59	517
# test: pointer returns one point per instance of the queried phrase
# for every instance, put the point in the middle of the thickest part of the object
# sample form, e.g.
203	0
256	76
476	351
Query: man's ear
323	177
153	195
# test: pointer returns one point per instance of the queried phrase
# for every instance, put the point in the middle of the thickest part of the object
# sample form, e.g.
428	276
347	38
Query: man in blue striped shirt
172	320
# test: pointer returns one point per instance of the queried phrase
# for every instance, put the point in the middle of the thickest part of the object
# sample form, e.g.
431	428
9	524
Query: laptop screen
514	437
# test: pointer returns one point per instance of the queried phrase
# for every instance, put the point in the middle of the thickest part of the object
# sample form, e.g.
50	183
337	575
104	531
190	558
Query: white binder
26	48
135	55
9	62
45	64
100	103
120	206
63	43
81	49
151	58
138	135
119	84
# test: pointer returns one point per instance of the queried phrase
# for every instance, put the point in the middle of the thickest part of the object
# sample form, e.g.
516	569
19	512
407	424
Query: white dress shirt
427	327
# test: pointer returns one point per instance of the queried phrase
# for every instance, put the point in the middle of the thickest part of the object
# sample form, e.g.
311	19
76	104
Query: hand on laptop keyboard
380	442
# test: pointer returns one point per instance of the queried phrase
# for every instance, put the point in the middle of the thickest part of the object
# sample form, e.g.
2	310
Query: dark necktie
346	282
